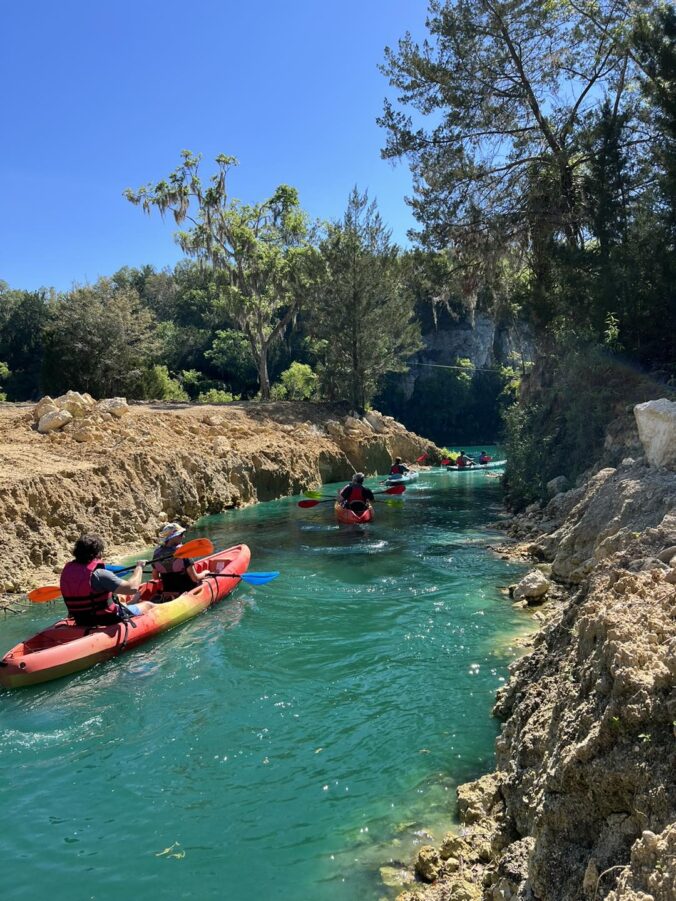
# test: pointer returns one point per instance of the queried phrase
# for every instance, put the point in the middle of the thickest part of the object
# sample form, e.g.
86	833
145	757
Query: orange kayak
349	518
65	648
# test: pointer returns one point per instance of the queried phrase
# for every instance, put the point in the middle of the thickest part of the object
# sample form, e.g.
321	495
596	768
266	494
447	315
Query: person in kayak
398	468
463	461
355	496
176	574
484	458
90	590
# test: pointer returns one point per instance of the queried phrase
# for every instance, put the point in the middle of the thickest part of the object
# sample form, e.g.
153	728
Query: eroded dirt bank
582	803
122	477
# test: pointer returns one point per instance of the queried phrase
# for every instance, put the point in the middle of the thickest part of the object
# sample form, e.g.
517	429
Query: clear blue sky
99	96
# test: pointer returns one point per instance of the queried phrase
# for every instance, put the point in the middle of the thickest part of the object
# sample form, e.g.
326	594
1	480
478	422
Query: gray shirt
103	580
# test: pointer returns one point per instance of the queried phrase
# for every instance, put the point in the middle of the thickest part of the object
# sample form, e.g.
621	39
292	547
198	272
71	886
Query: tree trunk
263	377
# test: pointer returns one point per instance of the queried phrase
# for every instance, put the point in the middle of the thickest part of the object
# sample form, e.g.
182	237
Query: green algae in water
286	744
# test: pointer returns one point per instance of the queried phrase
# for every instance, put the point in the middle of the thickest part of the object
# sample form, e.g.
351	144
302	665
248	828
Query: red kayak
65	648
348	517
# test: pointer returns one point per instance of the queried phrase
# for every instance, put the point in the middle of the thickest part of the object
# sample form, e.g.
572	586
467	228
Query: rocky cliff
73	465
582	804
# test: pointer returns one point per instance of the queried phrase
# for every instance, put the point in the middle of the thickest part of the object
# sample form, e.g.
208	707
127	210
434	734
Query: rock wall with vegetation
582	803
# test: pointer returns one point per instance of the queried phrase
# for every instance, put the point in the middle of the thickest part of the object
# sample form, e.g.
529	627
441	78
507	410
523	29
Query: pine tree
363	317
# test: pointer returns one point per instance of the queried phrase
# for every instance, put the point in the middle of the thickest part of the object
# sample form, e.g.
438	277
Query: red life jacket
461	462
484	458
354	493
397	470
76	589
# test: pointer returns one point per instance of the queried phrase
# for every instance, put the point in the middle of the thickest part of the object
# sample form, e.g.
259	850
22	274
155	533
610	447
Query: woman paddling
177	574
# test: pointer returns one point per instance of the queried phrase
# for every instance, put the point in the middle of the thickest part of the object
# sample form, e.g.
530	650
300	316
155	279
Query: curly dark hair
88	548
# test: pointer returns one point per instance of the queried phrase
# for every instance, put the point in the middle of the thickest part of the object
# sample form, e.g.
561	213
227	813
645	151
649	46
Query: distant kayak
406	477
65	648
494	464
348	517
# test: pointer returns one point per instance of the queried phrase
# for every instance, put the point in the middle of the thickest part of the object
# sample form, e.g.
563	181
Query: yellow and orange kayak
65	648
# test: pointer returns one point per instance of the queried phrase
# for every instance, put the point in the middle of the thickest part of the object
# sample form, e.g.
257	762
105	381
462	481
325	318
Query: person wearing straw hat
176	574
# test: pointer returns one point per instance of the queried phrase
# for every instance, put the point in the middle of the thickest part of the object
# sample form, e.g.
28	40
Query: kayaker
398	468
176	574
484	458
356	493
463	461
89	589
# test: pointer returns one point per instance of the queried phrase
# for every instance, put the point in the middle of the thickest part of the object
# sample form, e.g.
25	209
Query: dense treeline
270	306
547	176
544	192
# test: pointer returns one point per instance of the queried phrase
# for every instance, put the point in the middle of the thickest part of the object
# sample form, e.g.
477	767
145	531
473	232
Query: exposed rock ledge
582	804
123	475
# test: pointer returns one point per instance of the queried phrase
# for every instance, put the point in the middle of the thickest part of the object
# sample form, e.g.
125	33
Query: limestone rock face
653	869
534	585
656	421
116	406
428	863
54	420
600	517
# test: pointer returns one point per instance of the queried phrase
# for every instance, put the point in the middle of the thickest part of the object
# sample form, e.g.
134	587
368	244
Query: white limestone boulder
46	405
116	406
533	586
53	421
376	421
656	421
77	404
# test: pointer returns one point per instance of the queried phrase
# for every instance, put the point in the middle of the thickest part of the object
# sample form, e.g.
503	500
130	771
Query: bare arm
130	586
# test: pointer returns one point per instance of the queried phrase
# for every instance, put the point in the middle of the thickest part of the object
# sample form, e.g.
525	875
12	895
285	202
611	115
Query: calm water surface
285	744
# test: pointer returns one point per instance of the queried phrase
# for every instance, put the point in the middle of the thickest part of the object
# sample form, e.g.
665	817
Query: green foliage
362	314
4	374
100	339
260	253
562	432
298	382
23	316
158	385
543	181
230	355
216	396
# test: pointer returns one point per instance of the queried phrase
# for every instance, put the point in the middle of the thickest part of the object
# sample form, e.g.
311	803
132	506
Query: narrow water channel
285	744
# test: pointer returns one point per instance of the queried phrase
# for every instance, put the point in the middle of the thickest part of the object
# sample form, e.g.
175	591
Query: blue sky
99	96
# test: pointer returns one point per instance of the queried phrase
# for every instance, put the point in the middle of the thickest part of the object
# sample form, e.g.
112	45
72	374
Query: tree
23	315
506	85
261	253
362	314
99	339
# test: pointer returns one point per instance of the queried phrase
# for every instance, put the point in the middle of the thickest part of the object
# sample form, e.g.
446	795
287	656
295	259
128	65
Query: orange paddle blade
44	594
198	547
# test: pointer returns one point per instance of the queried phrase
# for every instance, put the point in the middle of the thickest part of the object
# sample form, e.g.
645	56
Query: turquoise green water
285	744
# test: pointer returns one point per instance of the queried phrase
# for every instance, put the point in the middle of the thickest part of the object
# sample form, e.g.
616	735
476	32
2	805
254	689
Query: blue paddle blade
116	568
259	578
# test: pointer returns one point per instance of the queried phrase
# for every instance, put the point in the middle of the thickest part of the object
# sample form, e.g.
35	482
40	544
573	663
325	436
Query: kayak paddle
323	499
251	578
199	546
